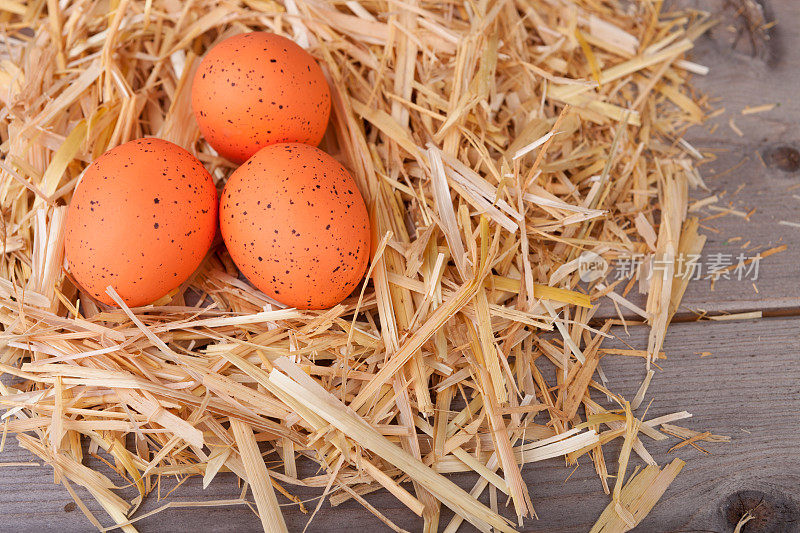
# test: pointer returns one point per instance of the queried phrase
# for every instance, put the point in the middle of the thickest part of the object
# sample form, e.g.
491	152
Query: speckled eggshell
141	220
296	226
256	89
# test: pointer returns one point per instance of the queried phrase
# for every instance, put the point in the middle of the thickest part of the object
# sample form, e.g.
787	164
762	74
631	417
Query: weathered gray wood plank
740	77
748	388
740	80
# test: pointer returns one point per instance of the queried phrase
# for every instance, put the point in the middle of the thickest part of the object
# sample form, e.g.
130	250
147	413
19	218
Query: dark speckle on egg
320	241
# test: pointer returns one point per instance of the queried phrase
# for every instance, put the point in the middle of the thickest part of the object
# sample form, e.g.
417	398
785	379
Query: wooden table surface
747	388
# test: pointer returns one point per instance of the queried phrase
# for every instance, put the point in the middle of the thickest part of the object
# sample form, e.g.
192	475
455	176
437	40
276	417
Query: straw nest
494	143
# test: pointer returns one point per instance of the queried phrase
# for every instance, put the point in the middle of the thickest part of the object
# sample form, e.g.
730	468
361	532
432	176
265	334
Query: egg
296	225
256	89
141	220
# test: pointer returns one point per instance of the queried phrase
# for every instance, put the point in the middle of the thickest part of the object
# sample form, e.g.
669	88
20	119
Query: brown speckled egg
256	89
296	225
141	220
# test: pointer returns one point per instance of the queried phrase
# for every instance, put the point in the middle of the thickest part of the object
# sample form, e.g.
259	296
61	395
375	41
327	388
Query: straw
493	142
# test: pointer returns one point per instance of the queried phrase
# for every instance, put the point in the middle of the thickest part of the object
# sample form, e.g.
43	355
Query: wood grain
748	388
